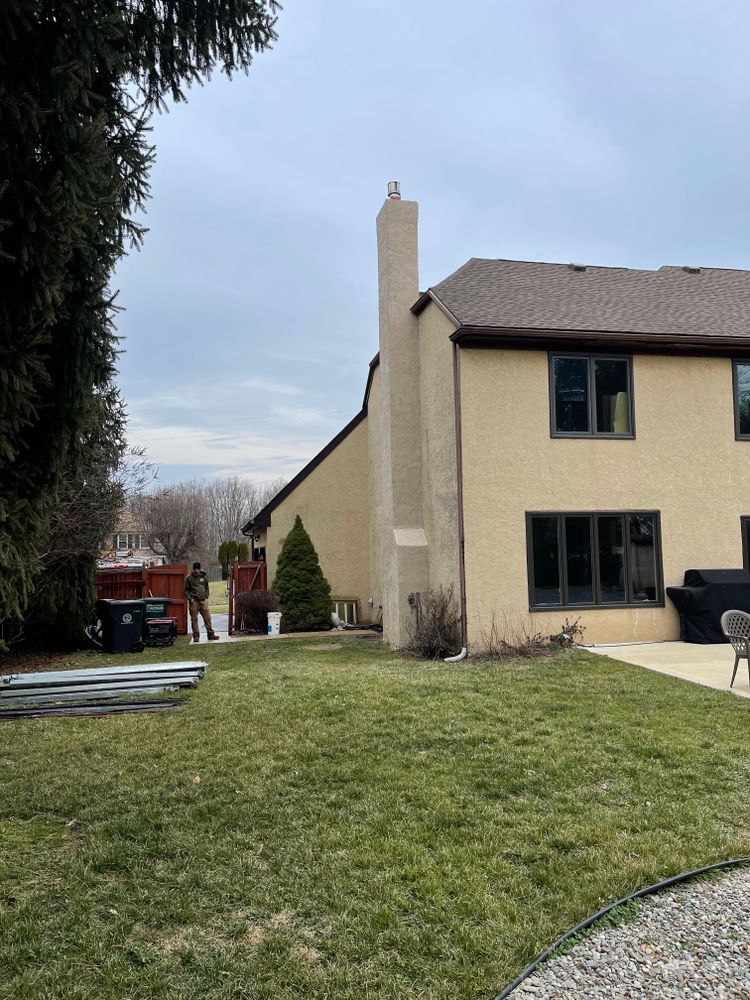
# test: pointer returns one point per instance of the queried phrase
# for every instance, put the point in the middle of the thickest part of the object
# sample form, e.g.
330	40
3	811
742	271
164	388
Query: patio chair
736	627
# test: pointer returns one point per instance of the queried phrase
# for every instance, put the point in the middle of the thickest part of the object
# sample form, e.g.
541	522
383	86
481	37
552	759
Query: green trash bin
156	607
122	625
159	627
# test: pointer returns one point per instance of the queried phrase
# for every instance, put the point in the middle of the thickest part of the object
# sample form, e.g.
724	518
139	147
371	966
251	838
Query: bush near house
303	591
251	610
435	631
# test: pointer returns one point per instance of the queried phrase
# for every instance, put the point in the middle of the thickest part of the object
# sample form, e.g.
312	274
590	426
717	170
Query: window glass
611	389
578	560
743	397
642	542
546	560
571	380
610	529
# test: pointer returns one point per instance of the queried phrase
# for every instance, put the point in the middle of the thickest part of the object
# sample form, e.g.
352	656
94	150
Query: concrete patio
708	665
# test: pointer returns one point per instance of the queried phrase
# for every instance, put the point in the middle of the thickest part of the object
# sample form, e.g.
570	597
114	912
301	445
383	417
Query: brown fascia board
370	375
429	296
655	343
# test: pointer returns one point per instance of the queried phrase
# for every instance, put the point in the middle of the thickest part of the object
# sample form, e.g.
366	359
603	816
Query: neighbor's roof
528	295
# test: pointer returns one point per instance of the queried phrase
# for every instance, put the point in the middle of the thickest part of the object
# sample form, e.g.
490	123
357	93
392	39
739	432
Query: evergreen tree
79	80
243	552
303	591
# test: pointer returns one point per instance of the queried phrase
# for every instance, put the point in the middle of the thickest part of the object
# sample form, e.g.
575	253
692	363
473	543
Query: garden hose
585	924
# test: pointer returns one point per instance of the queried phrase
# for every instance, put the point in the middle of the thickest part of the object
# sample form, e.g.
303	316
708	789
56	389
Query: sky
609	134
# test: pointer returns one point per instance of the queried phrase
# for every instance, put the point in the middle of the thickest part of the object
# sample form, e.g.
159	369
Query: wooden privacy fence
244	577
132	583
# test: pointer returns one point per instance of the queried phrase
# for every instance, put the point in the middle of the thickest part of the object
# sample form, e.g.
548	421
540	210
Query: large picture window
591	395
741	371
585	559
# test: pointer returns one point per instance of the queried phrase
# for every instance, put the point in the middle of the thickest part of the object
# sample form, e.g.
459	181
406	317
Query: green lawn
218	600
342	823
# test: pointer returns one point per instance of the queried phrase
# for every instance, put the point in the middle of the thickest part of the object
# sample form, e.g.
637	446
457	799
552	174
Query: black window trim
595	356
738	436
744	524
594	515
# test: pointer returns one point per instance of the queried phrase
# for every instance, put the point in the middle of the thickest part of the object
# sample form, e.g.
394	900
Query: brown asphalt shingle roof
527	295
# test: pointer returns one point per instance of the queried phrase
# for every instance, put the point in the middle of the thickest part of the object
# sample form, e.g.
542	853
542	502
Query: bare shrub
570	634
435	632
512	637
509	637
251	609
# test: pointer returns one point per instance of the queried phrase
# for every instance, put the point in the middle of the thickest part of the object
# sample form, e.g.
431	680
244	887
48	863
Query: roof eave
533	337
430	296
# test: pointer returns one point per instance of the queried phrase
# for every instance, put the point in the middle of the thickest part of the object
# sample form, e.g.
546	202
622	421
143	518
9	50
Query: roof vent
394	190
691	270
577	267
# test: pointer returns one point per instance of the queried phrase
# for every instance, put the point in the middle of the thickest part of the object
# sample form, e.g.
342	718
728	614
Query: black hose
584	924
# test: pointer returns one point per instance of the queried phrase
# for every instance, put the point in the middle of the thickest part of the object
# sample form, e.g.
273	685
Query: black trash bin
122	625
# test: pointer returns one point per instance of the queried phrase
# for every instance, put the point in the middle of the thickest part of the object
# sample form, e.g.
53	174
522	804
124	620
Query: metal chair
736	627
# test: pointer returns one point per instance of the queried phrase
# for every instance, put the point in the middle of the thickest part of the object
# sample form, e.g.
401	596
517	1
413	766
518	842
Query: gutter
657	343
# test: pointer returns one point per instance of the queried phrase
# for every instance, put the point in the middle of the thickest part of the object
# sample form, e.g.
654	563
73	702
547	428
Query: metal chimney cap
394	189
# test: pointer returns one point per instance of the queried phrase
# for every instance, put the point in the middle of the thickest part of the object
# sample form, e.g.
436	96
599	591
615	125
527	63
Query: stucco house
553	440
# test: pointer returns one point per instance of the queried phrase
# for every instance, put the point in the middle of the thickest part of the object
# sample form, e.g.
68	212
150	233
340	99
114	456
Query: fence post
230	623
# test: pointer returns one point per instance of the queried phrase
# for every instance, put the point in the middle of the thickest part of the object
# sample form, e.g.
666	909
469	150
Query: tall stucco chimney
404	555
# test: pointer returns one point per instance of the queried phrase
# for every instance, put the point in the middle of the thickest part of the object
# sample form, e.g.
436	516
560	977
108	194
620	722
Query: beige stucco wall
333	502
440	506
684	462
375	485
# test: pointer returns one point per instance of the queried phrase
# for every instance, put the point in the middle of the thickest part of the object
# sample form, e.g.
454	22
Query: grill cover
704	597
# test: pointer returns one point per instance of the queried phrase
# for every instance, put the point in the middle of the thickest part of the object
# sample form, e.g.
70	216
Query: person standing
196	591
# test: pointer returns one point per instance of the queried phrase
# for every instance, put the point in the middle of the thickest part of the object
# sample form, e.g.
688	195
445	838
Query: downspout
460	506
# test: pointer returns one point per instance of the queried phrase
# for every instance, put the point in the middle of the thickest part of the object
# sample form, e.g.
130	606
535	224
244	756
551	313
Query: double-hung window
606	559
591	396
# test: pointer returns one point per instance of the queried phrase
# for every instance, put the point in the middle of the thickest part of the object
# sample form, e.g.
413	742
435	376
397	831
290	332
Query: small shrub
435	631
571	634
303	591
251	609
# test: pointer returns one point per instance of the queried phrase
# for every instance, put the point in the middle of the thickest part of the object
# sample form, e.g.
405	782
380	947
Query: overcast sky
615	134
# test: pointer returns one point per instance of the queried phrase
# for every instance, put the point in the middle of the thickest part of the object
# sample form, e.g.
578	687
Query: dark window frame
590	358
738	435
744	525
596	583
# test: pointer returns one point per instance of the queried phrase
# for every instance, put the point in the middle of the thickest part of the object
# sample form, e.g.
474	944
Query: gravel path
693	941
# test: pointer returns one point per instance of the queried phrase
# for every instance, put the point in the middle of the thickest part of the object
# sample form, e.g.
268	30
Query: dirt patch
31	663
317	646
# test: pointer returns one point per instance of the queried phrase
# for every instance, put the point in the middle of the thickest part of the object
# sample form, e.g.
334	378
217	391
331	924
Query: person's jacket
196	587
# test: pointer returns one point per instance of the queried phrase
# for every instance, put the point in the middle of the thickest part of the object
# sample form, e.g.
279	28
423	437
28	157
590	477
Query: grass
218	601
342	823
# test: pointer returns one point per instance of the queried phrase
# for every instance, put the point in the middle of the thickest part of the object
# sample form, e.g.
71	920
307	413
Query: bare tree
232	502
175	521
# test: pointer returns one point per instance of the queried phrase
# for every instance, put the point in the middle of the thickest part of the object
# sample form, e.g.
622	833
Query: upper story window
741	371
591	395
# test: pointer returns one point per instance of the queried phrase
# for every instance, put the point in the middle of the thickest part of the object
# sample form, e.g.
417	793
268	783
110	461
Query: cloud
246	452
271	386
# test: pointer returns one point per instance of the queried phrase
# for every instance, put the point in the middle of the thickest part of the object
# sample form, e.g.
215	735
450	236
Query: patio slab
709	665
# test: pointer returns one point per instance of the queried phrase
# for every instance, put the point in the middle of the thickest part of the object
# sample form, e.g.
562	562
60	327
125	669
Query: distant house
555	441
129	546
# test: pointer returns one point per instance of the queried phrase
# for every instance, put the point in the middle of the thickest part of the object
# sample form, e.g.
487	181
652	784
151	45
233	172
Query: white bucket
274	622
